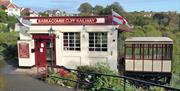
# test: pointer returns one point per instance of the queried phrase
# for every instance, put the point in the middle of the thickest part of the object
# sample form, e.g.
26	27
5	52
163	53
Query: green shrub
70	76
55	78
98	82
3	27
101	68
156	89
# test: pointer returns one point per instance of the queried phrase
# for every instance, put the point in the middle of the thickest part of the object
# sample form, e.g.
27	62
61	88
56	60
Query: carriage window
138	51
98	41
147	51
151	51
167	51
71	41
157	51
129	51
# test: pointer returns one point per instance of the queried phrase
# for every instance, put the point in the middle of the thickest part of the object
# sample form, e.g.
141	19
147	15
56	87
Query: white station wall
27	62
72	59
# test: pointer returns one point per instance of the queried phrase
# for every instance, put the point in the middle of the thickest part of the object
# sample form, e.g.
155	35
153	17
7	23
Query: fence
105	82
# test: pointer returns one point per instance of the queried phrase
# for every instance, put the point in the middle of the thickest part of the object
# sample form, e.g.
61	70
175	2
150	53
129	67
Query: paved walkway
22	82
17	82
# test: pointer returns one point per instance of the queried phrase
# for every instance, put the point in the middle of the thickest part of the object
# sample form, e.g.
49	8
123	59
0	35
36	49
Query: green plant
108	82
55	78
70	76
156	89
99	82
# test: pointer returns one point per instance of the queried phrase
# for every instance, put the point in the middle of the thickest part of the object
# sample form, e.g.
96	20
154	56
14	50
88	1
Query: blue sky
71	6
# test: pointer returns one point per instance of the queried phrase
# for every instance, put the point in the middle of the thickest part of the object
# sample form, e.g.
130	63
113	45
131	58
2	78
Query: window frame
98	41
71	41
154	51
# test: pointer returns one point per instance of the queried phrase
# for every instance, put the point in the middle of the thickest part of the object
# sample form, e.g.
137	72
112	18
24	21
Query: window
138	51
167	52
157	52
148	51
71	41
129	51
98	41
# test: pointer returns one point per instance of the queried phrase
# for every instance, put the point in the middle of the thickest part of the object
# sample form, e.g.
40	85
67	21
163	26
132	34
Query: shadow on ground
9	61
10	55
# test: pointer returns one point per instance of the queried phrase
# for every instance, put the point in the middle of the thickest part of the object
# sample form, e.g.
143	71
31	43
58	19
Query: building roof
25	10
148	39
7	4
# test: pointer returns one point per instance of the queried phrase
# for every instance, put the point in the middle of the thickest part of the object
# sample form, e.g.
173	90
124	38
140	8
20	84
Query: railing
42	71
124	83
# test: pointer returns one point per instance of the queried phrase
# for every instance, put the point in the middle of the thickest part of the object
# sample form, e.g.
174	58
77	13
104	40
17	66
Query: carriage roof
149	40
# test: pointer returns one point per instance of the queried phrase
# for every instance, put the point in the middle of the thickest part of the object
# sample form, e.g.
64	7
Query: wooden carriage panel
157	66
129	65
147	65
166	67
138	65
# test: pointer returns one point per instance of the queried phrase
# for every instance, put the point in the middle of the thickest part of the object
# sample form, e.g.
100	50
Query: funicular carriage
149	58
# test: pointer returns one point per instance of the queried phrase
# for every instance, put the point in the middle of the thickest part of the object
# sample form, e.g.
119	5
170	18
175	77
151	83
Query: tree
138	32
3	16
85	9
11	22
43	14
25	13
3	27
115	7
97	10
3	7
154	33
162	19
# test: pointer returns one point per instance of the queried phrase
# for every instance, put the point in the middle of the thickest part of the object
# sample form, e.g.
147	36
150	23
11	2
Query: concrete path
17	82
22	82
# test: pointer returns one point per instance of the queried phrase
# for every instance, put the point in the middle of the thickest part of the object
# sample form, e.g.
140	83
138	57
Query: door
44	52
49	53
40	53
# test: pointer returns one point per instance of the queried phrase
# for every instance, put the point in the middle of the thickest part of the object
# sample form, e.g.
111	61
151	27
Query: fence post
46	70
124	84
77	83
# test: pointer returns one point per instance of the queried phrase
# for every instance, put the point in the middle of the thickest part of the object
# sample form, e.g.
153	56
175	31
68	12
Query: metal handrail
117	76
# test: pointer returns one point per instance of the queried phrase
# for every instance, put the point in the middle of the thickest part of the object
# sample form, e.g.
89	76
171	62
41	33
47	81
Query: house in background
56	13
28	12
10	8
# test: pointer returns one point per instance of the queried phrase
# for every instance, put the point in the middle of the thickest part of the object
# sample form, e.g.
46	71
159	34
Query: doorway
44	50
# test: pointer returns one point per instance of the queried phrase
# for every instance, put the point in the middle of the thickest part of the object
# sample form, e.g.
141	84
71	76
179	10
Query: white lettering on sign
70	21
100	20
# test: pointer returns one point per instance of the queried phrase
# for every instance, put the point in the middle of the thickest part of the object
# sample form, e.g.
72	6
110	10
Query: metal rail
125	79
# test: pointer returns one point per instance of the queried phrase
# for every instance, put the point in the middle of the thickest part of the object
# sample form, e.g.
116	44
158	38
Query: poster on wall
23	50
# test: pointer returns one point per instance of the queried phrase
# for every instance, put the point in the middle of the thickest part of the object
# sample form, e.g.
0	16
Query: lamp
51	32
